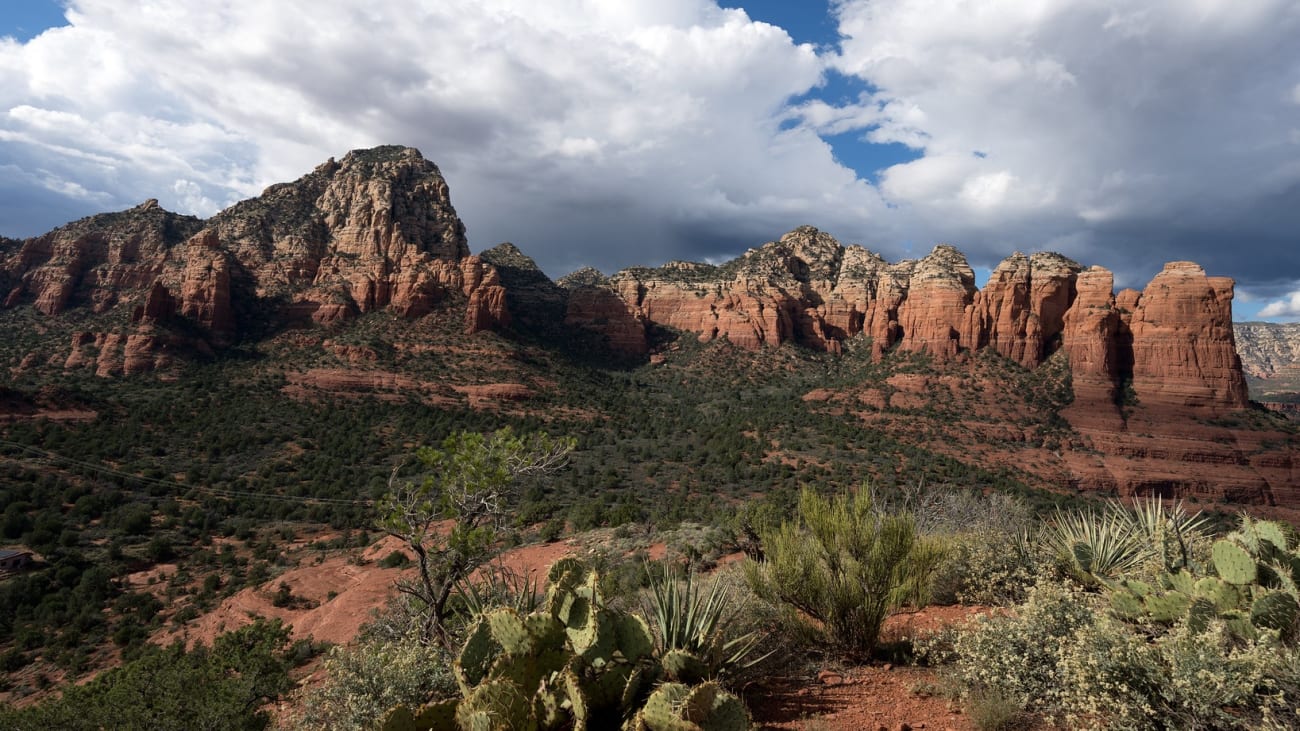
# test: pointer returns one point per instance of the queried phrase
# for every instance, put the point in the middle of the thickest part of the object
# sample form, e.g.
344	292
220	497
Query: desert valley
206	426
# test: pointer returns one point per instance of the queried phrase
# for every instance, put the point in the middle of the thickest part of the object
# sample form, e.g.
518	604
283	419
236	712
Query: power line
213	491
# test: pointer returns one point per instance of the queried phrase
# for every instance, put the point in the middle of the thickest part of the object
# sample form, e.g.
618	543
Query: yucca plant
686	619
499	586
1170	529
1097	545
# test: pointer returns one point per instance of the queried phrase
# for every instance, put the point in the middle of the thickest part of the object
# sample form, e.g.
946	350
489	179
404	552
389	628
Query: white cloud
1161	131
595	132
1287	307
587	131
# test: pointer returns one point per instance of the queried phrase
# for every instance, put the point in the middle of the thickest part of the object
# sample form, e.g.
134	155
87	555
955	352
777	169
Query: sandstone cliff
374	230
1171	344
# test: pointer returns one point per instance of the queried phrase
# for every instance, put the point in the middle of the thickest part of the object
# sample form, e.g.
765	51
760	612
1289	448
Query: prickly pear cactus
706	707
1232	562
573	666
497	705
683	667
439	716
1275	610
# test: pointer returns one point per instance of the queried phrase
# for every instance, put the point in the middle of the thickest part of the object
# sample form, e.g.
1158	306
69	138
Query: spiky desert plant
691	623
1169	528
1096	545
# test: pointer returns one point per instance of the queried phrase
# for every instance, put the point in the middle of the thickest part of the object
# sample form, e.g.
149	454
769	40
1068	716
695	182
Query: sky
613	133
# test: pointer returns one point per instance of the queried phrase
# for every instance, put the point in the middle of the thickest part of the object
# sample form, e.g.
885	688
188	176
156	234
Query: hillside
220	395
1270	357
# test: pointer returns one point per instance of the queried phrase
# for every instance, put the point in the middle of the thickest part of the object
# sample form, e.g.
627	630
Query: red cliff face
1021	311
375	230
1091	340
1184	353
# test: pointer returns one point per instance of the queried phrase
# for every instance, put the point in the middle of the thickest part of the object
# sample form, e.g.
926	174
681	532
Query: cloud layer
586	131
591	132
1114	132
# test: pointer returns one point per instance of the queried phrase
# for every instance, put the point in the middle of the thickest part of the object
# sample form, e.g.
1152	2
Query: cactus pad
438	716
1275	610
476	657
1125	604
683	667
1167	608
1233	564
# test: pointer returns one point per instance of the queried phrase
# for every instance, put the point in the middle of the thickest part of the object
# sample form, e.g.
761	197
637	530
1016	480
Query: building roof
11	553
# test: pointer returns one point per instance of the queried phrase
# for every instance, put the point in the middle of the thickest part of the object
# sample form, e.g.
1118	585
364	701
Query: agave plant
1097	544
1169	529
500	586
691	621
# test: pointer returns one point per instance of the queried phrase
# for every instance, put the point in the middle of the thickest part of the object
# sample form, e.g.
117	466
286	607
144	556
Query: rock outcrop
375	230
1266	348
1184	353
1171	344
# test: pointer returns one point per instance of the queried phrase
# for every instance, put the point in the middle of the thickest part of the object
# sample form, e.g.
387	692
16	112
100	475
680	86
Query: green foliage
845	565
1184	650
689	626
574	663
472	481
395	560
222	687
364	681
1095	546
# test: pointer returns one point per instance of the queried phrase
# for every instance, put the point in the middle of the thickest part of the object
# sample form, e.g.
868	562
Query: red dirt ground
829	698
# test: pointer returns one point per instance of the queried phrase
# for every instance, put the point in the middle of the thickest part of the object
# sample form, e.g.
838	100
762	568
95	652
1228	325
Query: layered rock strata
1170	344
375	230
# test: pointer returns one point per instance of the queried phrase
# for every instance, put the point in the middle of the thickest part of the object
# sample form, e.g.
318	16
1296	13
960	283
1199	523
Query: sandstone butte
377	230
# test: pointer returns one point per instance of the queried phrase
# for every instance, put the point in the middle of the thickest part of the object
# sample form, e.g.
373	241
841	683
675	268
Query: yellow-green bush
1063	657
845	565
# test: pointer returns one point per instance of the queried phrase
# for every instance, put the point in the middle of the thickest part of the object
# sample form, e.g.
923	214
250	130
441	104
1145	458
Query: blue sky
612	134
25	19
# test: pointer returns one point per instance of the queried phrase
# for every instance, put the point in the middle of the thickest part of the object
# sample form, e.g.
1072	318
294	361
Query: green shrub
991	567
1062	657
395	560
363	682
845	565
1015	657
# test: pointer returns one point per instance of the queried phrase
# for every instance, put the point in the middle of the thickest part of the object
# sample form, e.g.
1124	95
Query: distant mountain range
1158	394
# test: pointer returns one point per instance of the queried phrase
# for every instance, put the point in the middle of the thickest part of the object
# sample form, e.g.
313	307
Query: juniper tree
453	514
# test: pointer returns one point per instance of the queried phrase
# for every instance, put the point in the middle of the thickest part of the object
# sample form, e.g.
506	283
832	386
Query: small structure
14	560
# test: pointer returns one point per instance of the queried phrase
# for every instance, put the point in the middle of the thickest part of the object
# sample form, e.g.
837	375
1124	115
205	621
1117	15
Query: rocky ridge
1266	348
1172	343
376	231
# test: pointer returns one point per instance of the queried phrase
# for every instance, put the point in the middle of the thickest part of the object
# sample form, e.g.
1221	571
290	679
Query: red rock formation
934	316
1091	341
205	286
1021	311
158	306
603	311
1184	353
373	231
